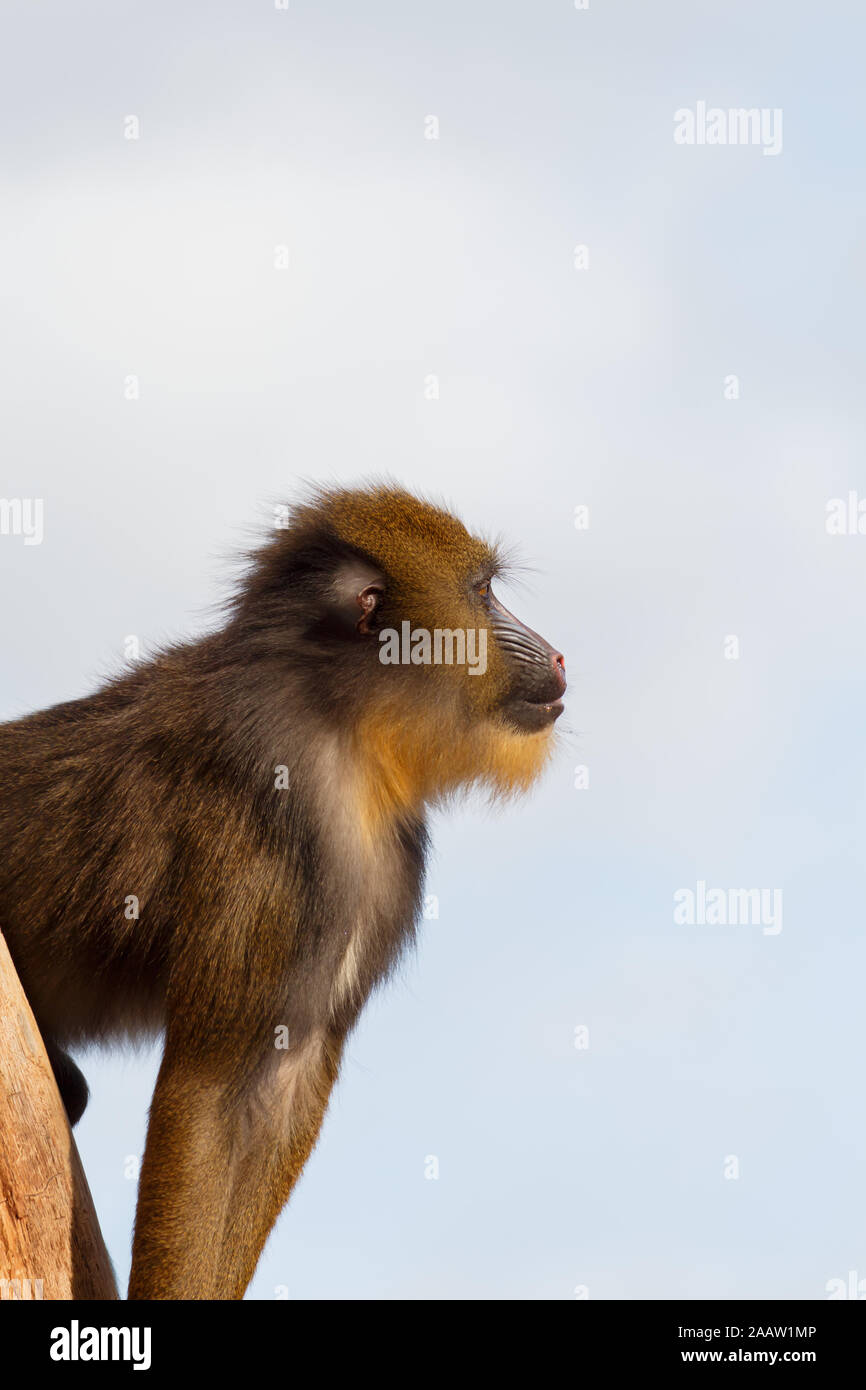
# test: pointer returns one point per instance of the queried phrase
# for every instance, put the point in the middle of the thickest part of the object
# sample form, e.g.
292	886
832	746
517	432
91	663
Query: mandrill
227	845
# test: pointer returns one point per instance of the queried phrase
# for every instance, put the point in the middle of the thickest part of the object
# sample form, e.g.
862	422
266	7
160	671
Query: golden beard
408	759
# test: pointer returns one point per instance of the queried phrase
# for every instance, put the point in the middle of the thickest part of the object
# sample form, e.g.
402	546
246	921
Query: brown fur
260	908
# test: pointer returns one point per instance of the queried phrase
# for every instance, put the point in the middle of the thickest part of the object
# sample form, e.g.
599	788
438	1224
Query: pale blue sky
558	1168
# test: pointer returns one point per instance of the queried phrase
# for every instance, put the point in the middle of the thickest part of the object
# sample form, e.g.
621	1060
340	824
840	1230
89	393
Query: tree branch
50	1242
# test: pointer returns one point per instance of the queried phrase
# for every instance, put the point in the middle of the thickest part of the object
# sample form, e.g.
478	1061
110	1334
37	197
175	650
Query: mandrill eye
483	589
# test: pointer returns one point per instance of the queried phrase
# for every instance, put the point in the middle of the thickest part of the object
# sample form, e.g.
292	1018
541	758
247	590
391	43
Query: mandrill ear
353	597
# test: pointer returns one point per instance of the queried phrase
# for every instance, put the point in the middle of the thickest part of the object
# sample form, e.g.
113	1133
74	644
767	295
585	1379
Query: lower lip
554	707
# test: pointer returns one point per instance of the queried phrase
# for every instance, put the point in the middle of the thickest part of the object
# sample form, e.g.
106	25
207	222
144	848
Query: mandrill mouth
530	717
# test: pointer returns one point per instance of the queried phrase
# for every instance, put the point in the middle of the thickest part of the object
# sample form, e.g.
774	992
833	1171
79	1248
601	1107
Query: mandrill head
385	602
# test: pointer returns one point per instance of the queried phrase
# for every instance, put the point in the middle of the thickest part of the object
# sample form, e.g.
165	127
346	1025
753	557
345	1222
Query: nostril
559	663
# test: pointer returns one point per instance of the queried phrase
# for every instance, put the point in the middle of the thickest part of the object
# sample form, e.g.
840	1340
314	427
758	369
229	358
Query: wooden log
50	1242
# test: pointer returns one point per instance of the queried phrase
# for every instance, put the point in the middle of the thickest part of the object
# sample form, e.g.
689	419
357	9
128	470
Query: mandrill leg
225	1145
293	1096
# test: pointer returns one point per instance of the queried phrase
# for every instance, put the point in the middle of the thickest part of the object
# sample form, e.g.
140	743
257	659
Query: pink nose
559	663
